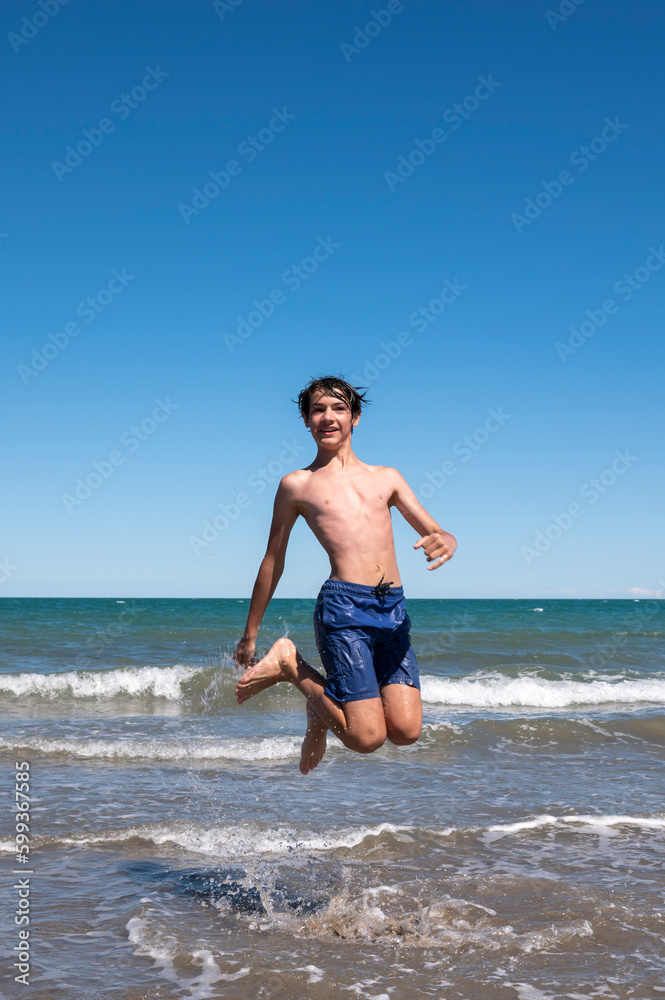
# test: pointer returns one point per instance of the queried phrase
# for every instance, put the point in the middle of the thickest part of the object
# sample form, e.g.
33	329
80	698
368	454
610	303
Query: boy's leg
399	682
360	725
403	713
402	710
314	741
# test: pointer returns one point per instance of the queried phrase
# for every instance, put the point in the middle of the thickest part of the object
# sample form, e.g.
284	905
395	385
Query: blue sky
353	190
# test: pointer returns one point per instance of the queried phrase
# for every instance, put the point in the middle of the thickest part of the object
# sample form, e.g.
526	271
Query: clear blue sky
169	92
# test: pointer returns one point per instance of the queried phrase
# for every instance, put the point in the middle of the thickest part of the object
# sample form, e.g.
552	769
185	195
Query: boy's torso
348	510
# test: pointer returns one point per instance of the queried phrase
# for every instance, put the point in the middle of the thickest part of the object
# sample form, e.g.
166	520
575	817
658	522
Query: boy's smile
329	416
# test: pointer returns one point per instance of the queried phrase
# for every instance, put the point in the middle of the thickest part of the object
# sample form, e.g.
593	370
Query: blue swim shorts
363	640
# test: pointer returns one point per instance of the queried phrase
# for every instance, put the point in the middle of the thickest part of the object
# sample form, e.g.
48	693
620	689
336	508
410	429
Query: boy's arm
285	513
438	545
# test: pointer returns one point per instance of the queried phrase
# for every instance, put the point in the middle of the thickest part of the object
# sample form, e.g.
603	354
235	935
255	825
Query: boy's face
330	419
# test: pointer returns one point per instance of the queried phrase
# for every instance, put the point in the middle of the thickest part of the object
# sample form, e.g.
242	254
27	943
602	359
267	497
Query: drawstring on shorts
383	588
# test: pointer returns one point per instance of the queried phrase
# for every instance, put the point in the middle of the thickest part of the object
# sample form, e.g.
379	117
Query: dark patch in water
212	884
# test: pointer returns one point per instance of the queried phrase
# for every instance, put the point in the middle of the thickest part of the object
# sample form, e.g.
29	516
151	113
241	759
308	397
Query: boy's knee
400	740
367	740
368	744
403	736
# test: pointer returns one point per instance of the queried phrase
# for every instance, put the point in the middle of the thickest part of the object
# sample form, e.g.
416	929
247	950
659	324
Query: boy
371	691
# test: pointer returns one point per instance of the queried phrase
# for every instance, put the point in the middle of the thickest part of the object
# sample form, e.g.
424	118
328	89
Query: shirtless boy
371	690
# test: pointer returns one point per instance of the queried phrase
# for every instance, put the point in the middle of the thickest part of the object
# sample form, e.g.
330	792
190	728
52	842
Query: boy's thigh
365	720
403	713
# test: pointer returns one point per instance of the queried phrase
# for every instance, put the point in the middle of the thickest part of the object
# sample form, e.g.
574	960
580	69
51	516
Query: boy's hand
244	652
439	546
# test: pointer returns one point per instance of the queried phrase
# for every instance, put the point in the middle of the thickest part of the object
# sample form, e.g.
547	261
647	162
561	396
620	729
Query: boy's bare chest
345	496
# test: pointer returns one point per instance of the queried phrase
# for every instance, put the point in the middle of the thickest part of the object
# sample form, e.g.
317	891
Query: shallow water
516	851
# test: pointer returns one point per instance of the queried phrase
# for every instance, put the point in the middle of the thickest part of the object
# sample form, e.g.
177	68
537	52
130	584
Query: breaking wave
186	750
240	841
157	682
536	692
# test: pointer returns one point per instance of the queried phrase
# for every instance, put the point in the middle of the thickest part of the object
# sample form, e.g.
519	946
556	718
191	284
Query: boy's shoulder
386	471
293	482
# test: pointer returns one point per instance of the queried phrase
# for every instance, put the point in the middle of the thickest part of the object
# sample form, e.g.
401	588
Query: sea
162	843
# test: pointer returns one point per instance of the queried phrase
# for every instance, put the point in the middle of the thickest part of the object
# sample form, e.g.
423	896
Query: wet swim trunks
362	635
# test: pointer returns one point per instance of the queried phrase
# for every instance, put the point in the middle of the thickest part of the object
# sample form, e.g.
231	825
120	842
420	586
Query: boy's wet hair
332	385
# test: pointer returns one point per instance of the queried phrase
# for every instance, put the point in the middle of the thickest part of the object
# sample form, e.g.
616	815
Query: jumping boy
371	690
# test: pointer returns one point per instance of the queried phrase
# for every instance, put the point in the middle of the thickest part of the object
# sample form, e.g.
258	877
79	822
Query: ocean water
516	852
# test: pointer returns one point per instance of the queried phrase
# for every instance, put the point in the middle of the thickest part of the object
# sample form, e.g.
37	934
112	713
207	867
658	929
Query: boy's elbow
273	562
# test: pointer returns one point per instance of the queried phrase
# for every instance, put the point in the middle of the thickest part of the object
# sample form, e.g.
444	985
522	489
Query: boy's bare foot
279	664
314	743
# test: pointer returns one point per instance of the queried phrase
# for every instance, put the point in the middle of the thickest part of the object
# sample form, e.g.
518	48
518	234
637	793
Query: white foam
239	841
525	991
247	840
277	748
589	824
645	822
161	682
315	974
439	727
164	949
536	692
450	924
137	929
